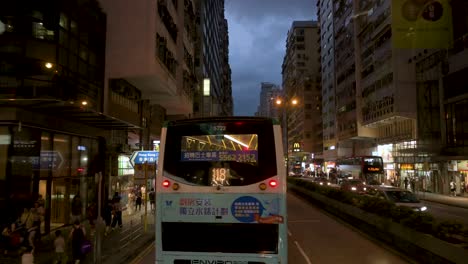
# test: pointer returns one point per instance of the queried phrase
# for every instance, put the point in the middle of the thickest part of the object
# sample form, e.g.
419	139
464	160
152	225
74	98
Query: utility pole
99	222
146	196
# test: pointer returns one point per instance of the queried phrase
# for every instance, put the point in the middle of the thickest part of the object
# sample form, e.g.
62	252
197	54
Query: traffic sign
140	157
51	160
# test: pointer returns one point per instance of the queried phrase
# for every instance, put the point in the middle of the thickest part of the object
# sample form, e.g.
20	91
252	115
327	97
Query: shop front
58	166
458	173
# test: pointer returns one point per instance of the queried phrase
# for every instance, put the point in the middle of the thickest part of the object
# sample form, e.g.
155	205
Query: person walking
453	189
91	215
138	202
117	209
77	237
76	208
59	244
406	183
107	215
152	198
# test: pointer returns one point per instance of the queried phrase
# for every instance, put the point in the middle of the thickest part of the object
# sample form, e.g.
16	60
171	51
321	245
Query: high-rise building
301	81
150	72
327	51
53	131
403	104
268	94
212	61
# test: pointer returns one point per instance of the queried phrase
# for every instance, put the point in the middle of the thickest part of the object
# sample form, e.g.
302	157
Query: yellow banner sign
422	24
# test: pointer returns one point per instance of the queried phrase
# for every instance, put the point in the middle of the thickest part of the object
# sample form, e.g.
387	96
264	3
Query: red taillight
166	183
273	183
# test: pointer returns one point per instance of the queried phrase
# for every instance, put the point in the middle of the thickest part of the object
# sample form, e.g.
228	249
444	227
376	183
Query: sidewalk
117	247
458	201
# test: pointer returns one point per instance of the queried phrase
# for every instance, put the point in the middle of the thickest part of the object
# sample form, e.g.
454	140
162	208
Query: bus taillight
273	183
166	183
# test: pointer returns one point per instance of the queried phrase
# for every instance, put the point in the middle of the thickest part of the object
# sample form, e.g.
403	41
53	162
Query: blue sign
50	160
247	209
140	157
243	156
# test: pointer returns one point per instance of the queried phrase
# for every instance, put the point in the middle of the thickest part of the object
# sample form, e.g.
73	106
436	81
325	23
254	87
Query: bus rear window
220	237
213	154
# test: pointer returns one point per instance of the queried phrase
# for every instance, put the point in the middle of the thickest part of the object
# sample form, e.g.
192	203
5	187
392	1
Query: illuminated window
206	87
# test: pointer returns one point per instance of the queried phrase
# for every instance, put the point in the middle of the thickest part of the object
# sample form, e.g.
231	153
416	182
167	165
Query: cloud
257	39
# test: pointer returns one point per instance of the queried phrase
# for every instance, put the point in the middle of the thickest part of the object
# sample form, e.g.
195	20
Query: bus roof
221	119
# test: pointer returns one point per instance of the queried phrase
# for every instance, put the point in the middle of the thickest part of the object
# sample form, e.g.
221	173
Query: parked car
353	185
398	196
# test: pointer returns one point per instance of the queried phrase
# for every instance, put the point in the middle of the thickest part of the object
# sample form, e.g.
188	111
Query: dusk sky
257	43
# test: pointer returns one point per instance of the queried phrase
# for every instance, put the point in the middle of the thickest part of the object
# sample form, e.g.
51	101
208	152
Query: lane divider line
303	253
143	253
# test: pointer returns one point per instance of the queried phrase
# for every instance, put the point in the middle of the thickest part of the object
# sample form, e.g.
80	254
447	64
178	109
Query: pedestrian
413	184
7	239
37	214
91	215
152	197
40	200
59	244
453	188
107	214
34	236
117	211
406	183
76	206
138	202
77	237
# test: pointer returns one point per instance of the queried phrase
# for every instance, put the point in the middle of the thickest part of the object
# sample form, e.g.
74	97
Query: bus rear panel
220	192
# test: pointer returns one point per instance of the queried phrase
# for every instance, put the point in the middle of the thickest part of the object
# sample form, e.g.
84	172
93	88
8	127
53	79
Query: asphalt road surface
447	212
315	237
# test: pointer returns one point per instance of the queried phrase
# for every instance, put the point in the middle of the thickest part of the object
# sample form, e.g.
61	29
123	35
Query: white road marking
302	252
304	221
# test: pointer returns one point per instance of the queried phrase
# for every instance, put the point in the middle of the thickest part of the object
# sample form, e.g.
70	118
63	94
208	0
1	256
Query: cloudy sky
257	39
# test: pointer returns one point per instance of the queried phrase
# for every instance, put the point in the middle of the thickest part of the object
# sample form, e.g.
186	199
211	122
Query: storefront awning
70	111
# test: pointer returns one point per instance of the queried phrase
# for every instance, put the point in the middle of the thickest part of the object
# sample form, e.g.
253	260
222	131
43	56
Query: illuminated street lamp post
287	103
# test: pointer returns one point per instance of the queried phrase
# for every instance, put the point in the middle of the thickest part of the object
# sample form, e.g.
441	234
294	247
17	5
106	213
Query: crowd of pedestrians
23	235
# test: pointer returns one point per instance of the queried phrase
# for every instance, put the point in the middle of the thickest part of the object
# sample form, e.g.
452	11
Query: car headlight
353	188
328	183
424	208
321	183
365	189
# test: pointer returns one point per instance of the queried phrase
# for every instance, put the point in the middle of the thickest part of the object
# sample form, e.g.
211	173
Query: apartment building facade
327	68
269	92
301	81
150	73
406	100
212	62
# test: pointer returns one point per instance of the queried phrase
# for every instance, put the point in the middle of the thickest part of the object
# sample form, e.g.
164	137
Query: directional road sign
140	157
51	160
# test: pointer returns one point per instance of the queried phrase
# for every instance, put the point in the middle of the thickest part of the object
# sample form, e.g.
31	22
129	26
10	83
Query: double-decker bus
368	169
221	192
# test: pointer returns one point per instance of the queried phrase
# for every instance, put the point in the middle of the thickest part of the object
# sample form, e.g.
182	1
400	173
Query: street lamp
293	102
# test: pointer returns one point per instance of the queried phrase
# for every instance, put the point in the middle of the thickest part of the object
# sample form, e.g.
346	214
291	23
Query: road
437	210
315	237
447	212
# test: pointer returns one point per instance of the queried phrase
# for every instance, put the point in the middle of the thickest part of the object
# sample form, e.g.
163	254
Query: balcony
167	19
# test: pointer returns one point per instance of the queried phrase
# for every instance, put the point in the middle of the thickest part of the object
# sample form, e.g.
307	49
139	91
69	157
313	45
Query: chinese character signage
244	156
230	208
